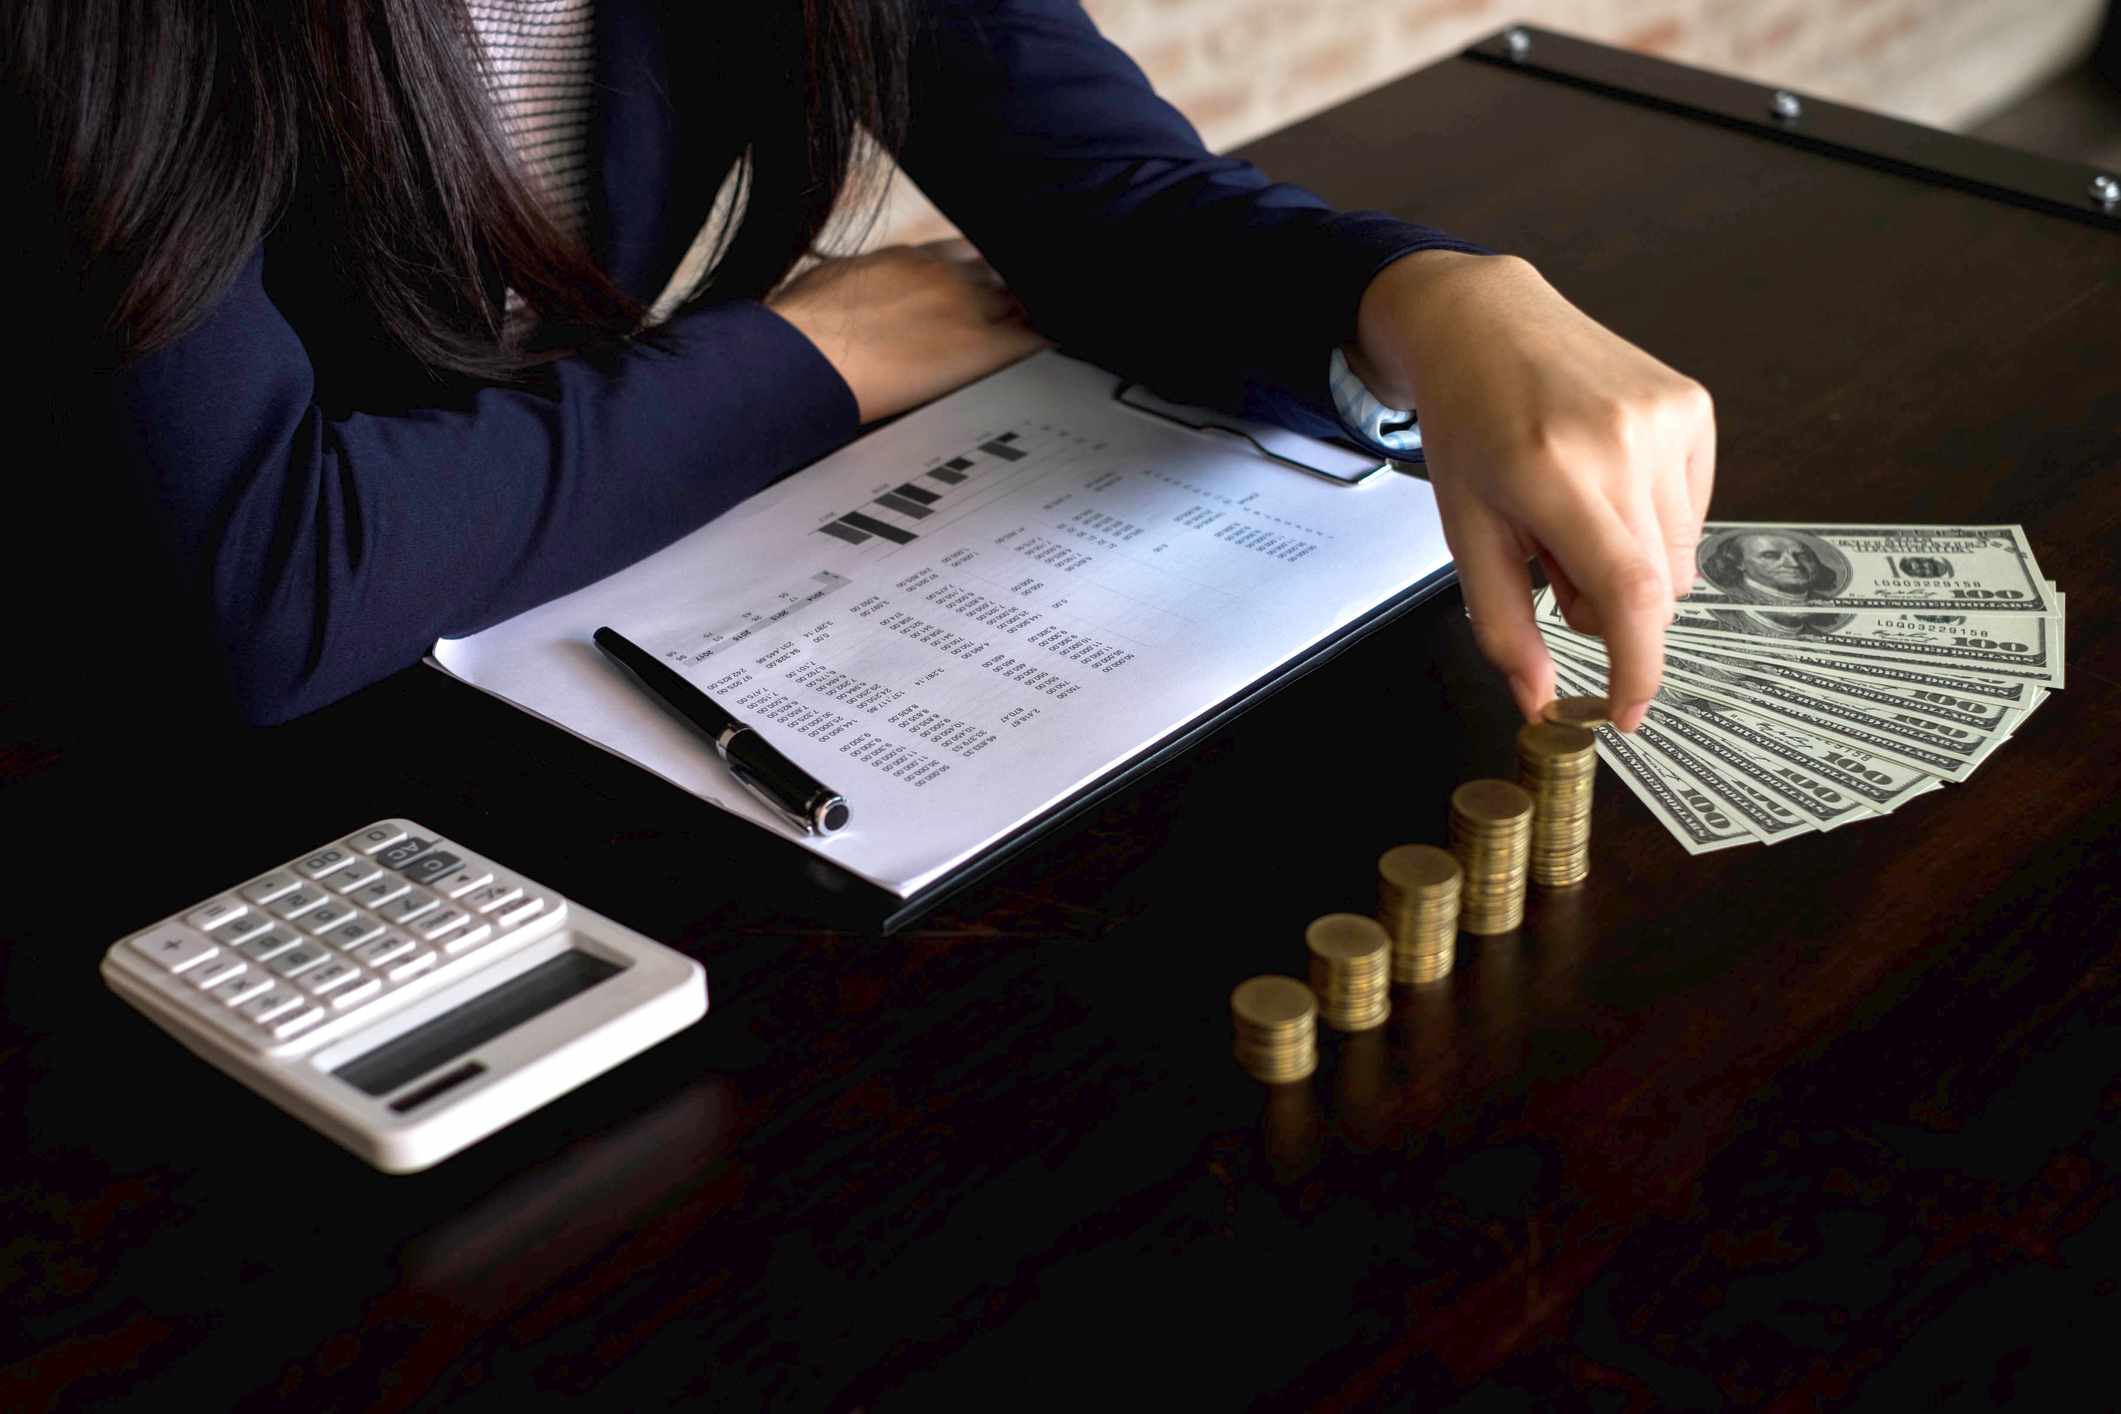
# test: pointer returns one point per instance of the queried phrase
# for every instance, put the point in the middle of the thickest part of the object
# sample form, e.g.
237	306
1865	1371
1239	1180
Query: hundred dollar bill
2027	648
1820	800
1765	813
1940	749
1952	752
1880	781
1822	803
1821	701
1886	686
2001	655
1687	811
1825	801
1914	678
1768	574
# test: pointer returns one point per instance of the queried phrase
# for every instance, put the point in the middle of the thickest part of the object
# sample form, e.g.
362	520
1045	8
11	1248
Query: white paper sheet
1084	579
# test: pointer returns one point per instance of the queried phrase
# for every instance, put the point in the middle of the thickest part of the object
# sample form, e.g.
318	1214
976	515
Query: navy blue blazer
324	519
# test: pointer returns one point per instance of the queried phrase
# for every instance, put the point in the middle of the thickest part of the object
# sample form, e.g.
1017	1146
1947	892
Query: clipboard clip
1343	466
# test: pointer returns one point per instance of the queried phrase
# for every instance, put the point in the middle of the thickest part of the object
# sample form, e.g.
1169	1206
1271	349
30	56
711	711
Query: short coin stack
1277	1028
1351	970
1491	833
1417	901
1557	765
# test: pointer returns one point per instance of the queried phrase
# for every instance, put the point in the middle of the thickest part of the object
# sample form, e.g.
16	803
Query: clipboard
891	521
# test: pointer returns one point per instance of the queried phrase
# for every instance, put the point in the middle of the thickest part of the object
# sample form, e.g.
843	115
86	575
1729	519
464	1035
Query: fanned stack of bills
1823	674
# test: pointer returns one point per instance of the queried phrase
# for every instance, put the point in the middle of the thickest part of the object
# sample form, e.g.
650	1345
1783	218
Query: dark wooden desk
1832	1121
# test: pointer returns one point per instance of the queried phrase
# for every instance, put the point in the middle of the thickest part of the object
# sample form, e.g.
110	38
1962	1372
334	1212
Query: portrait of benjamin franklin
1771	567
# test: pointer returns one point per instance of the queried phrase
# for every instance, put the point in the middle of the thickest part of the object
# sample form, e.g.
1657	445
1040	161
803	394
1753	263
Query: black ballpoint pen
791	792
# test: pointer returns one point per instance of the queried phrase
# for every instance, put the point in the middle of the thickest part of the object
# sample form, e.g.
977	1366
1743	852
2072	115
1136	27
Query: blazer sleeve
327	549
1128	241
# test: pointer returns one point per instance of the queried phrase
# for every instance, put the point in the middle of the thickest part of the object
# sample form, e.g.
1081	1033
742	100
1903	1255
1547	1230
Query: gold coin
1491	802
1579	712
1419	868
1273	1002
1346	937
1548	740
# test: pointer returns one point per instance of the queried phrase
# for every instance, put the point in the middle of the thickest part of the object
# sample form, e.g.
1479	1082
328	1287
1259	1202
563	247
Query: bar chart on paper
896	515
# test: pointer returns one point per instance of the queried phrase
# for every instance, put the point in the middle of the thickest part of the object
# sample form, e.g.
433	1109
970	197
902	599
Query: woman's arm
1545	434
328	549
1126	239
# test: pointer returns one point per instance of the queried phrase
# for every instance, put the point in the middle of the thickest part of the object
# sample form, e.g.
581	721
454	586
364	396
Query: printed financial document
966	617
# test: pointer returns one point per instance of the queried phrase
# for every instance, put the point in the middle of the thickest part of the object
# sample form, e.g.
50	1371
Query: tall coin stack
1491	833
1277	1028
1417	901
1351	970
1558	764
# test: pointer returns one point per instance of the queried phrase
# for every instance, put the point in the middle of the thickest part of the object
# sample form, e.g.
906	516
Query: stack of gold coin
1417	901
1558	764
1491	833
1277	1028
1351	970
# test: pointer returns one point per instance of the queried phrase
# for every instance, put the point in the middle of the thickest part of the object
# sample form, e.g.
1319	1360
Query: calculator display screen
478	1021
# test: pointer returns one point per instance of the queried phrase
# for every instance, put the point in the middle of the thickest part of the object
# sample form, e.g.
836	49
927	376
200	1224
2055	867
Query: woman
370	364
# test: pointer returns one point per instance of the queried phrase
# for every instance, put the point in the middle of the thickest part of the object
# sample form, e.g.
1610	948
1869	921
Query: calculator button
267	1005
380	892
272	886
299	902
520	912
375	837
383	949
395	856
325	861
353	876
457	944
298	960
434	925
294	1025
234	991
330	916
336	973
214	971
411	967
471	876
347	998
348	936
175	948
214	914
431	866
267	945
411	906
239	930
491	897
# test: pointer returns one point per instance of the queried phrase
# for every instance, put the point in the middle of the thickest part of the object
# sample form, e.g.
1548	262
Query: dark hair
169	136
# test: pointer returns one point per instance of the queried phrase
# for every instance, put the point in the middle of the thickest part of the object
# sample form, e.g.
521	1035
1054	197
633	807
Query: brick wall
1239	68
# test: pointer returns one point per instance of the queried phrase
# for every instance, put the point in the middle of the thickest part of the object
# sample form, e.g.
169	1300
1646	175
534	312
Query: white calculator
402	994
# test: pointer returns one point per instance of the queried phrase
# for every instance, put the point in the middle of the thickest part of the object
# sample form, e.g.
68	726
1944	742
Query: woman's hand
1546	434
907	324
